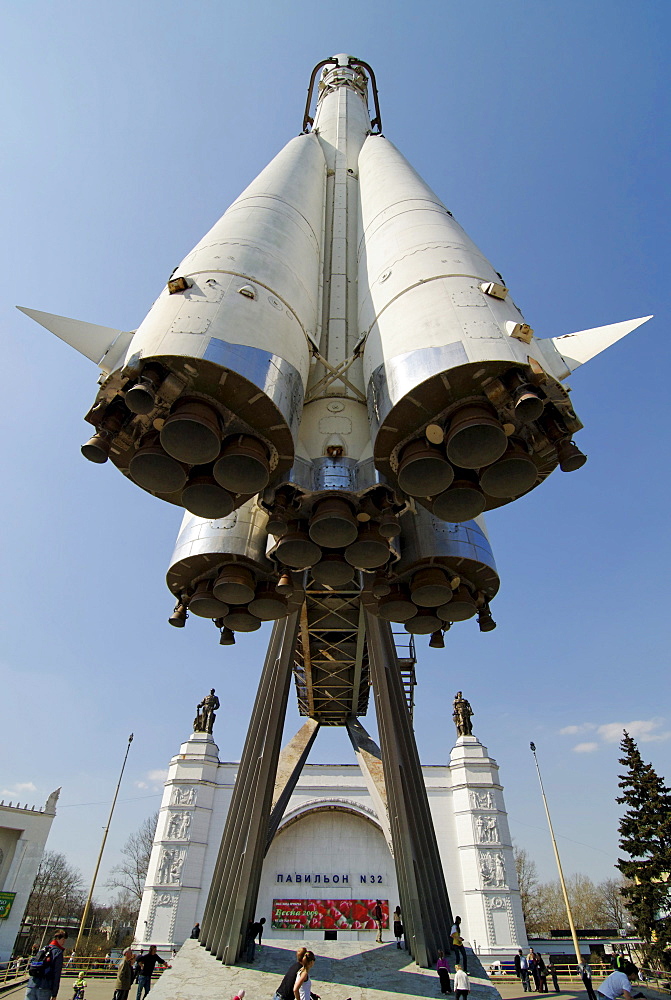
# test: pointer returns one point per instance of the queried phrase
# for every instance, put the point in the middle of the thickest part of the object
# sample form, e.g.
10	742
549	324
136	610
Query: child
79	987
443	973
462	984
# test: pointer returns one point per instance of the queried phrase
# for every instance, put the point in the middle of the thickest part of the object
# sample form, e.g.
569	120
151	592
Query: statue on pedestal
462	715
205	713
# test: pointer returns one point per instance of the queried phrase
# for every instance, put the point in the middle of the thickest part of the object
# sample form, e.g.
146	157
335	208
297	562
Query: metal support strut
235	882
424	902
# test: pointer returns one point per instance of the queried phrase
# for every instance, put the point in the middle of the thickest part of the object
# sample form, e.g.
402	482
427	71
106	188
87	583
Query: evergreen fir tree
645	835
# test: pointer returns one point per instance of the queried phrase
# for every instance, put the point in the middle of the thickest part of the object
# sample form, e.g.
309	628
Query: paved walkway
359	971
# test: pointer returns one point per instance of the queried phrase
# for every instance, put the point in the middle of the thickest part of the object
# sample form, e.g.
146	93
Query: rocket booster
338	375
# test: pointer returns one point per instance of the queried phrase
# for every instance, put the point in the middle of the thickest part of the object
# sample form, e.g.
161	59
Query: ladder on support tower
405	651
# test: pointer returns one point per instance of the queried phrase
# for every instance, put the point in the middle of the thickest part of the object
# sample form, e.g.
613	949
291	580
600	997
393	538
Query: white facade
23	834
330	847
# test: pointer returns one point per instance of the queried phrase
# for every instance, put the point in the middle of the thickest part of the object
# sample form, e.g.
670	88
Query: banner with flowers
328	914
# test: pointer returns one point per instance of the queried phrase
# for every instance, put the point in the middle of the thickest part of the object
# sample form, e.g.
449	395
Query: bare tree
527	880
57	892
614	903
543	903
131	873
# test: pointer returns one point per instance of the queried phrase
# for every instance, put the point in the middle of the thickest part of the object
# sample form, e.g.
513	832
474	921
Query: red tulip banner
328	914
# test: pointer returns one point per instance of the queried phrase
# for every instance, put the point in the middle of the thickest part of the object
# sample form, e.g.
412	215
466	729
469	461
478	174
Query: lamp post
102	848
559	868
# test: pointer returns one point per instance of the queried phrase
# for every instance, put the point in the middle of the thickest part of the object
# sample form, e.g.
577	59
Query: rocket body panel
223	563
203	545
341	125
463	548
270	238
442	334
421	272
228	337
339	422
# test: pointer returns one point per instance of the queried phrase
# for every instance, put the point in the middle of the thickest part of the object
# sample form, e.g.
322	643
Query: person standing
303	984
259	929
377	914
443	972
124	976
45	969
285	991
458	944
146	965
518	963
542	973
553	973
586	975
398	926
462	984
532	960
524	971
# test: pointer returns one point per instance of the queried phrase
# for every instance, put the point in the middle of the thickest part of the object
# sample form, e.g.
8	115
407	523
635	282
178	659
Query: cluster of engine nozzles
351	543
235	601
190	455
475	459
432	601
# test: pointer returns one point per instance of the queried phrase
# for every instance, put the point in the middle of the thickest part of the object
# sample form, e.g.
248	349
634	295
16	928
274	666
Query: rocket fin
101	344
577	348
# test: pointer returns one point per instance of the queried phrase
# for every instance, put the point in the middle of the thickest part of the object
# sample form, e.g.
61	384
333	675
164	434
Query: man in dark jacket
44	986
146	965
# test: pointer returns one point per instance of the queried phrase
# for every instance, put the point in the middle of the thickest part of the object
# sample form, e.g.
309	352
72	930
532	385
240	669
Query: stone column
170	901
492	920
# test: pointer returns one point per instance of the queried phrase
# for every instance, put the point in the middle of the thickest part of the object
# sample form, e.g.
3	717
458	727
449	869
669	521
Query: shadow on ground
342	970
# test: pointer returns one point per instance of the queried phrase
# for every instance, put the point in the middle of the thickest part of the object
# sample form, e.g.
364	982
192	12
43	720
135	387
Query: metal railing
93	966
567	971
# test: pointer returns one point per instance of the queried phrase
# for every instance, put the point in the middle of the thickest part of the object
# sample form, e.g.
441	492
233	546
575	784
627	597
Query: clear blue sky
128	128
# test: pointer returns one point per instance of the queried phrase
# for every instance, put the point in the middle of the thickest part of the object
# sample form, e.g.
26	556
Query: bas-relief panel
170	867
179	825
183	795
492	865
486	829
482	799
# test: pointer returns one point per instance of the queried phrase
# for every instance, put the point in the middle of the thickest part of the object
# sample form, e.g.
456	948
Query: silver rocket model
334	383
